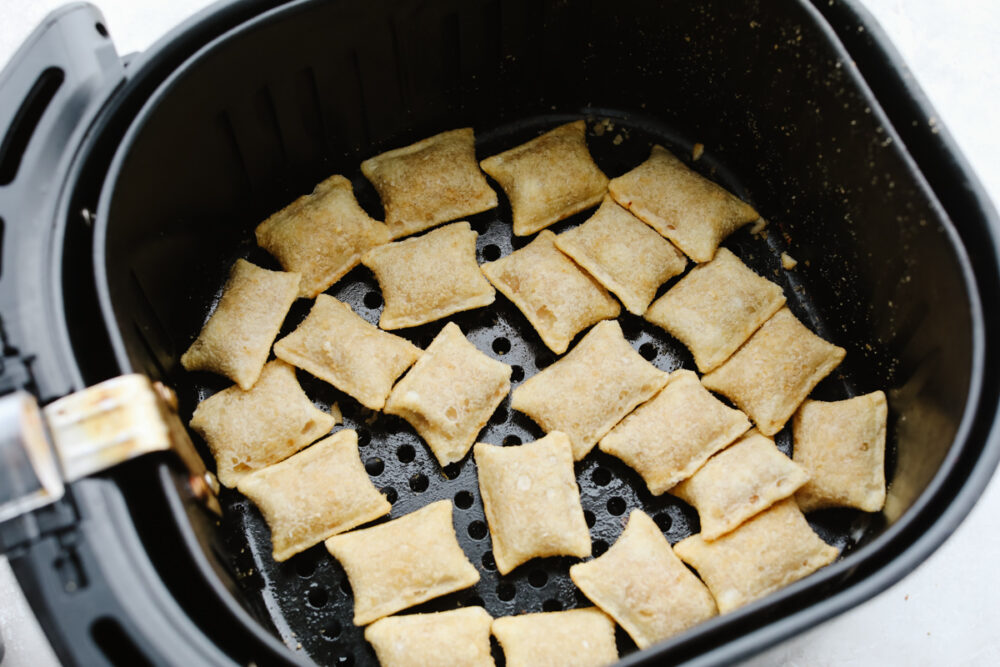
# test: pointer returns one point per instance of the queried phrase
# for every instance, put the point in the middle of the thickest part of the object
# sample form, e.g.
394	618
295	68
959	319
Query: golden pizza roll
458	638
687	208
740	482
669	437
590	389
842	446
321	235
531	500
558	298
774	371
577	637
319	492
429	277
450	393
623	254
770	551
716	307
403	562
432	181
642	584
548	178
236	339
249	430
336	345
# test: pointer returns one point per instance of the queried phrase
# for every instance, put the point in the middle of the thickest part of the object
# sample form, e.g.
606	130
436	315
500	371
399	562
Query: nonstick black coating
309	596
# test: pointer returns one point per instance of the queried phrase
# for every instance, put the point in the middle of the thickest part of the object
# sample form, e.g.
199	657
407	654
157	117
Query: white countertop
945	612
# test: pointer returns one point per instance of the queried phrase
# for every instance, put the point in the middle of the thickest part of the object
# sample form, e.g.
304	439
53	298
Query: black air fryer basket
128	188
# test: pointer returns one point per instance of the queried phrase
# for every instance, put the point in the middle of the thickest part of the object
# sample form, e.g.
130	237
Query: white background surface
946	612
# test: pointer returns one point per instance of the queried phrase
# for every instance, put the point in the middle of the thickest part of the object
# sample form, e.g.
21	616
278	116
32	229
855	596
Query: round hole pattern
317	597
374	466
463	500
405	453
418	483
511	441
648	351
488	562
477	530
589	517
538	578
599	547
390	494
491	252
305	567
101	29
663	521
616	506
516	373
601	476
501	345
345	585
452	470
499	417
333	630
373	300
364	437
506	591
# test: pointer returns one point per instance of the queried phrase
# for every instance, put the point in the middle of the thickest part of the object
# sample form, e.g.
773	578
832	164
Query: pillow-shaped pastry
774	371
740	482
450	393
336	345
319	492
249	430
623	254
668	438
842	446
642	584
460	638
236	339
578	637
558	298
403	562
429	277
716	308
770	551
589	390
548	178
531	500
690	210
321	235
432	181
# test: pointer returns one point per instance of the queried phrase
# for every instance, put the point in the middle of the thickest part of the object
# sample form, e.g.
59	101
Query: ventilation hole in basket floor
305	567
477	530
364	437
600	546
501	345
648	351
552	605
343	660
333	630
317	597
345	585
373	300
630	327
601	476
511	441
452	470
374	466
491	253
538	578
406	453
589	517
506	591
616	506
516	373
390	494
663	521
488	562
464	500
499	417
418	483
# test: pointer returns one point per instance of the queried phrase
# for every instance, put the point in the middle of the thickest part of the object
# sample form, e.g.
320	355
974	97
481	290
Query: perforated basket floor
309	598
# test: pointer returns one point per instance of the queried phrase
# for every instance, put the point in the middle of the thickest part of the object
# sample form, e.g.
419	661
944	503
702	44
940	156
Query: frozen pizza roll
432	181
403	562
548	178
682	205
716	307
669	437
578	637
770	551
249	430
450	393
623	254
531	500
589	390
774	371
559	299
336	345
236	339
319	492
429	277
321	235
740	482
642	584
460	638
842	446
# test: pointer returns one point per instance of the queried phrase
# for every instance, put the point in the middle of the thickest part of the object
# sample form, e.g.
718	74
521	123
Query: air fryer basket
311	88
